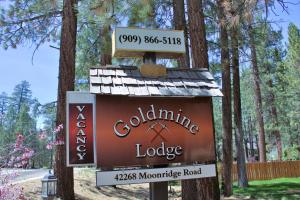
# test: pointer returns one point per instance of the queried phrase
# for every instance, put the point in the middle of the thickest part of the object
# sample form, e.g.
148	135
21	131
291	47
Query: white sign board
121	177
134	42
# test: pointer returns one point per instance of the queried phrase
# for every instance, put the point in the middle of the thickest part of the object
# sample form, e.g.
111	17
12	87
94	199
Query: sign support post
158	190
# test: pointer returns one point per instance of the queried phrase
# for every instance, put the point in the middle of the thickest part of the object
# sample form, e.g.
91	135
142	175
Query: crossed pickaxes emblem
158	128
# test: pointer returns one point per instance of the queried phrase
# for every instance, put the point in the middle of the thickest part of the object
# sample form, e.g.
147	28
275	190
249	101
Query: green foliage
19	114
48	112
291	153
142	13
95	21
17	117
217	111
37	21
24	123
270	53
21	95
3	106
279	76
276	189
292	78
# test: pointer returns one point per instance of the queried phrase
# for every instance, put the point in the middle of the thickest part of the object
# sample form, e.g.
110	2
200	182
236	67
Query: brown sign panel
152	131
80	129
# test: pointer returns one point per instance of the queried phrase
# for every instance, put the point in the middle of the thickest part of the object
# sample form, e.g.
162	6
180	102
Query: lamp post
49	184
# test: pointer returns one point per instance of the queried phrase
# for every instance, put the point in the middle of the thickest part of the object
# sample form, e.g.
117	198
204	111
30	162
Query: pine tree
179	21
3	111
258	98
204	188
292	78
65	83
268	60
29	20
3	107
237	109
21	95
226	103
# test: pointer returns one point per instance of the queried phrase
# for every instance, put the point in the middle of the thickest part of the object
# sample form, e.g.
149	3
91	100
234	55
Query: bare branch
54	47
40	43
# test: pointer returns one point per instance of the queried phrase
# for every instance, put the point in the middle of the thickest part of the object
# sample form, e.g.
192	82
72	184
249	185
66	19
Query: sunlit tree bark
66	78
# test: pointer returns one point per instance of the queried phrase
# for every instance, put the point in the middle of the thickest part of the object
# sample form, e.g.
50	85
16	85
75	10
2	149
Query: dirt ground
85	189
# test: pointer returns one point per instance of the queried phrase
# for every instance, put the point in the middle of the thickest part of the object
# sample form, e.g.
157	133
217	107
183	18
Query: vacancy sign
80	128
120	177
134	42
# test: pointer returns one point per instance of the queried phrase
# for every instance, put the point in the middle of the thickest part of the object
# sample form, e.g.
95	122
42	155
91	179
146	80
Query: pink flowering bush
57	141
18	157
21	154
9	191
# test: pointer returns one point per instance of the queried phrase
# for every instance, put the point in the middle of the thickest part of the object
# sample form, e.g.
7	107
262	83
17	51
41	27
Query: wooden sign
80	129
133	176
134	42
153	131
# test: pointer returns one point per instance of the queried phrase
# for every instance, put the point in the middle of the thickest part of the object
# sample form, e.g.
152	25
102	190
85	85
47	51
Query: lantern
49	183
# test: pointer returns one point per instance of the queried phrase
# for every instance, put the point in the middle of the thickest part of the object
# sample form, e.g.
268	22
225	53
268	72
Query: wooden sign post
158	190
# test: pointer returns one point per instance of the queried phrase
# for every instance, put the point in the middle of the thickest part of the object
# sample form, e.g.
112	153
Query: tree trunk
246	139
246	149
251	139
180	24
204	188
65	184
239	136
105	57
258	101
200	189
273	114
226	106
197	34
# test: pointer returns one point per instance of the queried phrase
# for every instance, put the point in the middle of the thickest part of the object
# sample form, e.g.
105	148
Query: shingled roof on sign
124	80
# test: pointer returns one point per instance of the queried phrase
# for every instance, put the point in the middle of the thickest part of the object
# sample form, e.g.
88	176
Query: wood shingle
127	80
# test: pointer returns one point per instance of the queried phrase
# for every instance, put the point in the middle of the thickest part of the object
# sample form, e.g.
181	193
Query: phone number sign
134	42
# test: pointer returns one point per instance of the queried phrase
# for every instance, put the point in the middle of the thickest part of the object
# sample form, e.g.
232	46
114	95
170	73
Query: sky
16	65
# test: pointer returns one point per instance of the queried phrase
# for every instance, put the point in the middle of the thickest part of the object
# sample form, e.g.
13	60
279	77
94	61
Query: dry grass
85	189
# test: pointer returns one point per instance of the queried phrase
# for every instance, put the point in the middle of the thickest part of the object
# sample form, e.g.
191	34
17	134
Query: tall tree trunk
65	184
258	101
180	24
205	188
197	34
105	57
250	127
246	149
226	105
273	113
239	134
